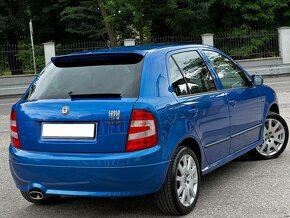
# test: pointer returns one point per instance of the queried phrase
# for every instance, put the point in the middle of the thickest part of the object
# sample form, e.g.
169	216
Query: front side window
228	72
195	72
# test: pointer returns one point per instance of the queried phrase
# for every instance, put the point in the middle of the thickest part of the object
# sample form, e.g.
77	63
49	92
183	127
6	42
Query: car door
203	105
245	101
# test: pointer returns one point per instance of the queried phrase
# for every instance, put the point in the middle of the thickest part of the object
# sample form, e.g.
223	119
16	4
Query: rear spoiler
93	59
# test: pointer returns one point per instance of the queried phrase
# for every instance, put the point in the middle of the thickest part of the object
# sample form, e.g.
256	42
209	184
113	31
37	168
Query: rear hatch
81	103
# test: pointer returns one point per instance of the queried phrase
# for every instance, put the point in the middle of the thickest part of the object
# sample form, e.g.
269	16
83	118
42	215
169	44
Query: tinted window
177	79
229	73
56	82
195	72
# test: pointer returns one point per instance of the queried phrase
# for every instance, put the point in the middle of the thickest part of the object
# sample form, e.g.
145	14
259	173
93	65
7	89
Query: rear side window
195	72
106	75
178	82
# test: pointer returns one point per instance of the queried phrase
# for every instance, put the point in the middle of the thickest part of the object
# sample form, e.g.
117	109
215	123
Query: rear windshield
100	77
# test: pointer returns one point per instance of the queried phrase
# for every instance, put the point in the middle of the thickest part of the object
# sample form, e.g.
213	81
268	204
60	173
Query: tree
13	20
65	21
46	15
247	14
89	19
189	17
131	17
120	19
83	20
108	21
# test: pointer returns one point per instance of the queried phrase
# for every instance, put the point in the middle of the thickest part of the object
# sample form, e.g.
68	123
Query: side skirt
231	157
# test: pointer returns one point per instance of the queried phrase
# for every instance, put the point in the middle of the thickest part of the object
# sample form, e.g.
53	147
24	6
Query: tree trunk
108	25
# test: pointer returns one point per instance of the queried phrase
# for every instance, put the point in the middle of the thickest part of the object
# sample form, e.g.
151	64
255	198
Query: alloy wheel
187	180
274	137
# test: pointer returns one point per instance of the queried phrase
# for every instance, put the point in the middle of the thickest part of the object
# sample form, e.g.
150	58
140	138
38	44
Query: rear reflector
14	131
142	132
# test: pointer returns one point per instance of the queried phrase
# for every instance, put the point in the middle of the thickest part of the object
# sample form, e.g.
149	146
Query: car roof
142	49
133	50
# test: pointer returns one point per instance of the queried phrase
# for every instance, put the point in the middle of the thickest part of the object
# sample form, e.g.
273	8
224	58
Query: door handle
193	111
233	103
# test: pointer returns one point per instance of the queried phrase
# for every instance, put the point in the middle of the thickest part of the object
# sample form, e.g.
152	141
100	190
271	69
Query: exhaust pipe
36	195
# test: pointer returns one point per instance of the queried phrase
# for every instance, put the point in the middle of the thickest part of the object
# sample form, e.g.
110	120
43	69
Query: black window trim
187	87
249	82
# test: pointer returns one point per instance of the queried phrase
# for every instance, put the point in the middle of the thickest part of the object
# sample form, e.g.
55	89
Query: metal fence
17	59
173	40
63	49
248	45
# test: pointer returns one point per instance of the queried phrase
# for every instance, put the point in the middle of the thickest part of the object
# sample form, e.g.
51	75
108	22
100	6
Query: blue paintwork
31	115
111	174
101	167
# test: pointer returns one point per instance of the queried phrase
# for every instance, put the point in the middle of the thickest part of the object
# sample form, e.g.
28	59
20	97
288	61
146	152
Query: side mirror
257	80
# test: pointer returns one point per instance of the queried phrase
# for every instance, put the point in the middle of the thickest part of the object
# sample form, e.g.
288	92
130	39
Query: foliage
246	44
69	21
254	15
83	20
12	20
46	18
25	55
189	17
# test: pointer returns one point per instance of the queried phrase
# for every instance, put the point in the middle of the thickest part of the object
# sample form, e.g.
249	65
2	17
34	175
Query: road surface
242	188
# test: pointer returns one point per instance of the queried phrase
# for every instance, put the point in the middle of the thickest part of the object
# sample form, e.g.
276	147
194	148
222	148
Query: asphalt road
242	188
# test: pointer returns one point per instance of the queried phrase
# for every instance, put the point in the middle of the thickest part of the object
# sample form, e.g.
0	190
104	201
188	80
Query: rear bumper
107	175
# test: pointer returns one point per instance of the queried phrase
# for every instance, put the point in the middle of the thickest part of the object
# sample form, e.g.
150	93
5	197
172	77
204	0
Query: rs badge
114	114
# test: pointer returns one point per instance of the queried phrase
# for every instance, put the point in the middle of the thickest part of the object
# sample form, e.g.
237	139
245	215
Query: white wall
284	44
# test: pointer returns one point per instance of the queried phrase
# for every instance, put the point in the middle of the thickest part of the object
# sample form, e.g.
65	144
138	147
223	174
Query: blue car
139	120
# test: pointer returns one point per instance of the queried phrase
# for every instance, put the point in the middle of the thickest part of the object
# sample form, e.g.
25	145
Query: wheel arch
274	108
194	146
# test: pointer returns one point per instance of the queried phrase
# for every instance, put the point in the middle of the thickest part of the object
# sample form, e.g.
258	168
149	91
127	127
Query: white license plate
68	131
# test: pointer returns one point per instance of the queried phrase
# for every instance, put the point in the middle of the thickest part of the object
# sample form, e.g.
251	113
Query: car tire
275	135
52	199
168	199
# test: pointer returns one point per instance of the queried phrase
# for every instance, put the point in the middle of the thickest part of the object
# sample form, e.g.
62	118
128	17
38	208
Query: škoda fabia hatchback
138	120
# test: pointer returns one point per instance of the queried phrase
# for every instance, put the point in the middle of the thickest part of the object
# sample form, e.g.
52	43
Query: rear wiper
94	95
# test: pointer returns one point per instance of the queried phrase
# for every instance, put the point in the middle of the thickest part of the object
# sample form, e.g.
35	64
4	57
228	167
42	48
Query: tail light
14	131
142	132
